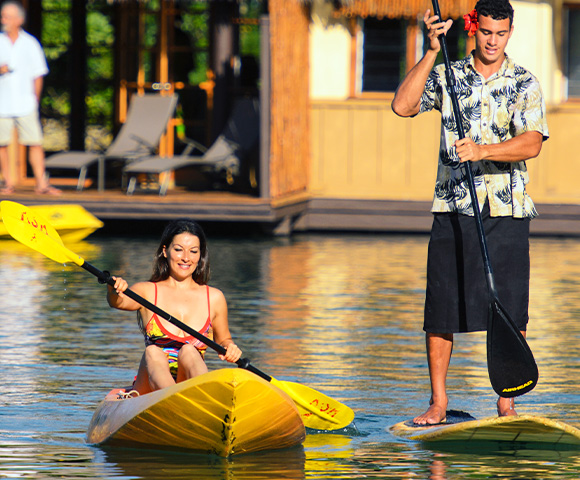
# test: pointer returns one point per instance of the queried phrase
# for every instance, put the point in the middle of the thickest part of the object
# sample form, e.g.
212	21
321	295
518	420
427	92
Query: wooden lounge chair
139	136
224	157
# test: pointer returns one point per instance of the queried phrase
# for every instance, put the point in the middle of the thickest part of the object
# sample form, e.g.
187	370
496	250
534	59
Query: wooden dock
281	216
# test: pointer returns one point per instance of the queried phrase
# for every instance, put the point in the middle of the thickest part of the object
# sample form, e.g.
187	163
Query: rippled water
340	313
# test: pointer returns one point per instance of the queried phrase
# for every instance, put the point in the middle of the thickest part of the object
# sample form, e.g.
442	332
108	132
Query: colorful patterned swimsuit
157	334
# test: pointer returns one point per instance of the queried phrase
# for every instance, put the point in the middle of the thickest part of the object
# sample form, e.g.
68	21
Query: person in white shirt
22	68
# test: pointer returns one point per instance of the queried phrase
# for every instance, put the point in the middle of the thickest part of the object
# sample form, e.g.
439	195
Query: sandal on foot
7	190
48	190
123	395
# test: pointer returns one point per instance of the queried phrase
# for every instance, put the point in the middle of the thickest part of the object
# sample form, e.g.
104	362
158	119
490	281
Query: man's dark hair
496	9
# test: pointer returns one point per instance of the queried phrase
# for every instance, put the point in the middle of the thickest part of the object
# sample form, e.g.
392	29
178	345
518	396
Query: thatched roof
399	8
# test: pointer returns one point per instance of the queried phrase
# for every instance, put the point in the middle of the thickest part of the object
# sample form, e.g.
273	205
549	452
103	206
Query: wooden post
412	34
264	181
224	42
78	76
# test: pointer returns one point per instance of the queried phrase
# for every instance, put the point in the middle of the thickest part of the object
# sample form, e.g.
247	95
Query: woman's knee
188	353
191	363
154	354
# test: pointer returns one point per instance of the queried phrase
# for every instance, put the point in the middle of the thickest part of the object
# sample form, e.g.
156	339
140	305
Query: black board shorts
457	295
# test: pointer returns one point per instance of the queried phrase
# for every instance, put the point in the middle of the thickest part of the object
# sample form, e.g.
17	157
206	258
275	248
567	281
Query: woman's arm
117	299
221	329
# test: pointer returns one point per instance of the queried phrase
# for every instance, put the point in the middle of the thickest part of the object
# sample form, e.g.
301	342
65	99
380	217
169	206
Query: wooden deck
410	216
272	215
282	216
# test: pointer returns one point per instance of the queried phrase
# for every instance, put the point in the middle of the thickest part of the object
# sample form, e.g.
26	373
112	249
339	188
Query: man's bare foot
506	407
435	414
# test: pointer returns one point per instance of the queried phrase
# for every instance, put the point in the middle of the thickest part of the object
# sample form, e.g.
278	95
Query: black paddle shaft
105	277
468	171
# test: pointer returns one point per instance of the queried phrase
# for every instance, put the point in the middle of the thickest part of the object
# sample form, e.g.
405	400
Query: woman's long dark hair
160	264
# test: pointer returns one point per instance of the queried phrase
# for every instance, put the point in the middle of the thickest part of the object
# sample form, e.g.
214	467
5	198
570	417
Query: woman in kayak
179	286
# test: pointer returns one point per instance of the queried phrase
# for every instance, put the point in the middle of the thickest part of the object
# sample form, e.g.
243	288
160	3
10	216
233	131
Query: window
386	49
384	52
572	46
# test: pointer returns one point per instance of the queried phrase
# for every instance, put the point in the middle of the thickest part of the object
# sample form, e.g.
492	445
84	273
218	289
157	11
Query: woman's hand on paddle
435	27
120	285
115	296
233	353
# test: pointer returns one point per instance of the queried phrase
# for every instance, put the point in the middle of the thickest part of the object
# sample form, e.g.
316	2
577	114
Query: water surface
340	313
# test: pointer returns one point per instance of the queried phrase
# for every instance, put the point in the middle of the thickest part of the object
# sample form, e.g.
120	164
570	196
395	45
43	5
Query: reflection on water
342	314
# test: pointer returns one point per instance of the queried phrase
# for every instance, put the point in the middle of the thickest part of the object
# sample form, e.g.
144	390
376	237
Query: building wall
362	150
537	51
329	48
330	55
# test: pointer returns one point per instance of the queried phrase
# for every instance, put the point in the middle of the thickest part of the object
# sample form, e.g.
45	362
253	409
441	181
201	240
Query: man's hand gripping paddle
510	362
317	410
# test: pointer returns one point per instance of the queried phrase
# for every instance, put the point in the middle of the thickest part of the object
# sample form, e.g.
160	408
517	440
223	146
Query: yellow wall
361	150
330	48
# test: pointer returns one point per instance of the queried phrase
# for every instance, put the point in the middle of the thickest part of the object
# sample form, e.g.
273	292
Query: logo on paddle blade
33	222
520	387
324	407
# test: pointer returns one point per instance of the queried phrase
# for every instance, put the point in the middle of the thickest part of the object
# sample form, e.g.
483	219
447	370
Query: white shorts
28	128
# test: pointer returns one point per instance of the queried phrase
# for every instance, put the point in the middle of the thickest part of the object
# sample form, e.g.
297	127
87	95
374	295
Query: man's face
11	19
491	39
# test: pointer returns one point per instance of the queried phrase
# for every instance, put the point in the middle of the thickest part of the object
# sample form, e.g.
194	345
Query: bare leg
5	167
36	158
157	368
506	406
191	364
439	348
141	383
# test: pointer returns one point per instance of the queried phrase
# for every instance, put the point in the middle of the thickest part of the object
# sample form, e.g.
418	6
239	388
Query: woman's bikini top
157	334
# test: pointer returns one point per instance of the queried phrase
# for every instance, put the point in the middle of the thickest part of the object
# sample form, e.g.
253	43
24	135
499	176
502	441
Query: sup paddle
510	362
317	410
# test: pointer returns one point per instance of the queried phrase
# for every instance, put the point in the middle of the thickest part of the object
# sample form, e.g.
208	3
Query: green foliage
190	61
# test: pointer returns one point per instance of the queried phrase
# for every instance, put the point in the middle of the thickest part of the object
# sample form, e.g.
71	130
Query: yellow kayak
224	412
72	222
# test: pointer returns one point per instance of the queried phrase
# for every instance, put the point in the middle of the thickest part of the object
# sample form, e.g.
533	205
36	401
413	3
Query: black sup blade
510	362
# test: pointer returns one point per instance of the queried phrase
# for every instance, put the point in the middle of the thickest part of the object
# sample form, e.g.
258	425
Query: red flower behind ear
471	23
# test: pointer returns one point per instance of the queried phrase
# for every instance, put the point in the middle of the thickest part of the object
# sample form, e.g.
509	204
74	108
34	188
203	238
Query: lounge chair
224	157
139	136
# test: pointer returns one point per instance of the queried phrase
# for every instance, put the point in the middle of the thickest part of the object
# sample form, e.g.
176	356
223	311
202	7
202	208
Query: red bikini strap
155	301
208	310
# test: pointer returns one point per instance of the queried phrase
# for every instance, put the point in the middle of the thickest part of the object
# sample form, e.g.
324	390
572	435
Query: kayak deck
224	412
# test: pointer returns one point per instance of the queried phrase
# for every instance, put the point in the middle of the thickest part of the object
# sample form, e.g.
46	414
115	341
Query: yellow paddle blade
318	411
34	231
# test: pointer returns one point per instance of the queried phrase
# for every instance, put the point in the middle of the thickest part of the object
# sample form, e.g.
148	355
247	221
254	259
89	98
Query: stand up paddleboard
526	431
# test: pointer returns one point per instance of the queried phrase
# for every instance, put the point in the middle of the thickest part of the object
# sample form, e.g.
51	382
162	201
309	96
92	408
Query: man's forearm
38	84
408	96
522	147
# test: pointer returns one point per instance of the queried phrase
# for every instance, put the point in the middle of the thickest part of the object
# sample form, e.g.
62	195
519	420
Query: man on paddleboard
504	118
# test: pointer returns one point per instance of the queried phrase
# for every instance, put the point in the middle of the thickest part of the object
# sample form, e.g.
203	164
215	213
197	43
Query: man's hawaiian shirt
495	109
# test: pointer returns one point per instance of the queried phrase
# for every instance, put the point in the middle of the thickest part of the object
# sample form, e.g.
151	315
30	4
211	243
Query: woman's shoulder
143	288
215	294
213	291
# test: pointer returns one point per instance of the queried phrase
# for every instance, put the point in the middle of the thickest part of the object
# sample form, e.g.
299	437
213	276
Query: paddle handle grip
450	77
105	278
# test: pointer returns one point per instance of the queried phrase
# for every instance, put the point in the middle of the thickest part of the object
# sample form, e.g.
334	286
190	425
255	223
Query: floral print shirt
495	109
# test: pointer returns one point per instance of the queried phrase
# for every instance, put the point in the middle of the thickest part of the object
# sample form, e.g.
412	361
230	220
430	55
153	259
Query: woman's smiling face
183	254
